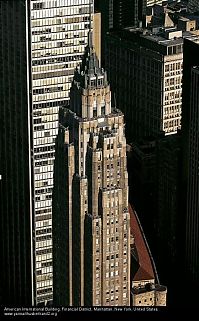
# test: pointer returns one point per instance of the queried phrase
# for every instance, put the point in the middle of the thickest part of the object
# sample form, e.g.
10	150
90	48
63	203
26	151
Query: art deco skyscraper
91	220
41	43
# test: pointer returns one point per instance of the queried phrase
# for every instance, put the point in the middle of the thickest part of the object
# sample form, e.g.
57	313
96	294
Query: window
37	6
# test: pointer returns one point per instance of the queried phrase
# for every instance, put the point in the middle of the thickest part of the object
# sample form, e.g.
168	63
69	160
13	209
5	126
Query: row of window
44	140
44	149
41	204
44	217
43	156
47	90
173	50
45	243
41	22
56	60
42	265
43	223
49	125
46	111
43	277
44	163
173	66
172	123
46	119
60	29
58	10
67	48
44	251
43	198
43	231
43	238
43	291
48	104
44	183
44	257
55	95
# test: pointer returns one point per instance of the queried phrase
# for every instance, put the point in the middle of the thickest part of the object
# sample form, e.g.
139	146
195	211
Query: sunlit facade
92	230
58	38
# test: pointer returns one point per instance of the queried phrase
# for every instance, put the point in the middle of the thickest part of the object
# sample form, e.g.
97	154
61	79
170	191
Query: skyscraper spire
89	78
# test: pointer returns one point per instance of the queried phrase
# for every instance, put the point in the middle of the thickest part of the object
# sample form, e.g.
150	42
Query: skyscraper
192	215
91	226
41	43
190	130
118	14
145	72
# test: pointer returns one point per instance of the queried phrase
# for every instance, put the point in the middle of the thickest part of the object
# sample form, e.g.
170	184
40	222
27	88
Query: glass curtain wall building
55	39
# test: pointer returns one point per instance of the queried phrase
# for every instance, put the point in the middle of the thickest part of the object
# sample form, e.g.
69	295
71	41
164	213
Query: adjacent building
145	71
190	158
118	14
142	170
41	44
145	286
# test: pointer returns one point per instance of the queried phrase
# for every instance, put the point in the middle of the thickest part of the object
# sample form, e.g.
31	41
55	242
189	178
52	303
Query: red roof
145	271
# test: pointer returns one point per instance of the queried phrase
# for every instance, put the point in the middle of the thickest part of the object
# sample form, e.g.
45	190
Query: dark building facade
121	13
154	178
16	224
40	47
142	163
118	14
190	129
146	76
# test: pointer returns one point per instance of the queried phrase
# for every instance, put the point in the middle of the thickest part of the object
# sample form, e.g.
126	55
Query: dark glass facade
16	277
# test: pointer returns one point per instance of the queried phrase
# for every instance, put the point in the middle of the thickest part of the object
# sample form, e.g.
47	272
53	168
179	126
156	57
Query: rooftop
145	270
149	287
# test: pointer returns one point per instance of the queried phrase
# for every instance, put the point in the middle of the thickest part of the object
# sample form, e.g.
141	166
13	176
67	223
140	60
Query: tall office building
120	13
145	71
192	225
190	130
41	43
91	222
117	14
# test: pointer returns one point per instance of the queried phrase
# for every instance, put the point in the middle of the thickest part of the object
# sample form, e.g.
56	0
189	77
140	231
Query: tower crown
90	95
89	74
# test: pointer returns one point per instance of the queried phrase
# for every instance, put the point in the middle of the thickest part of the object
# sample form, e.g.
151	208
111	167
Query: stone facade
154	296
100	222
